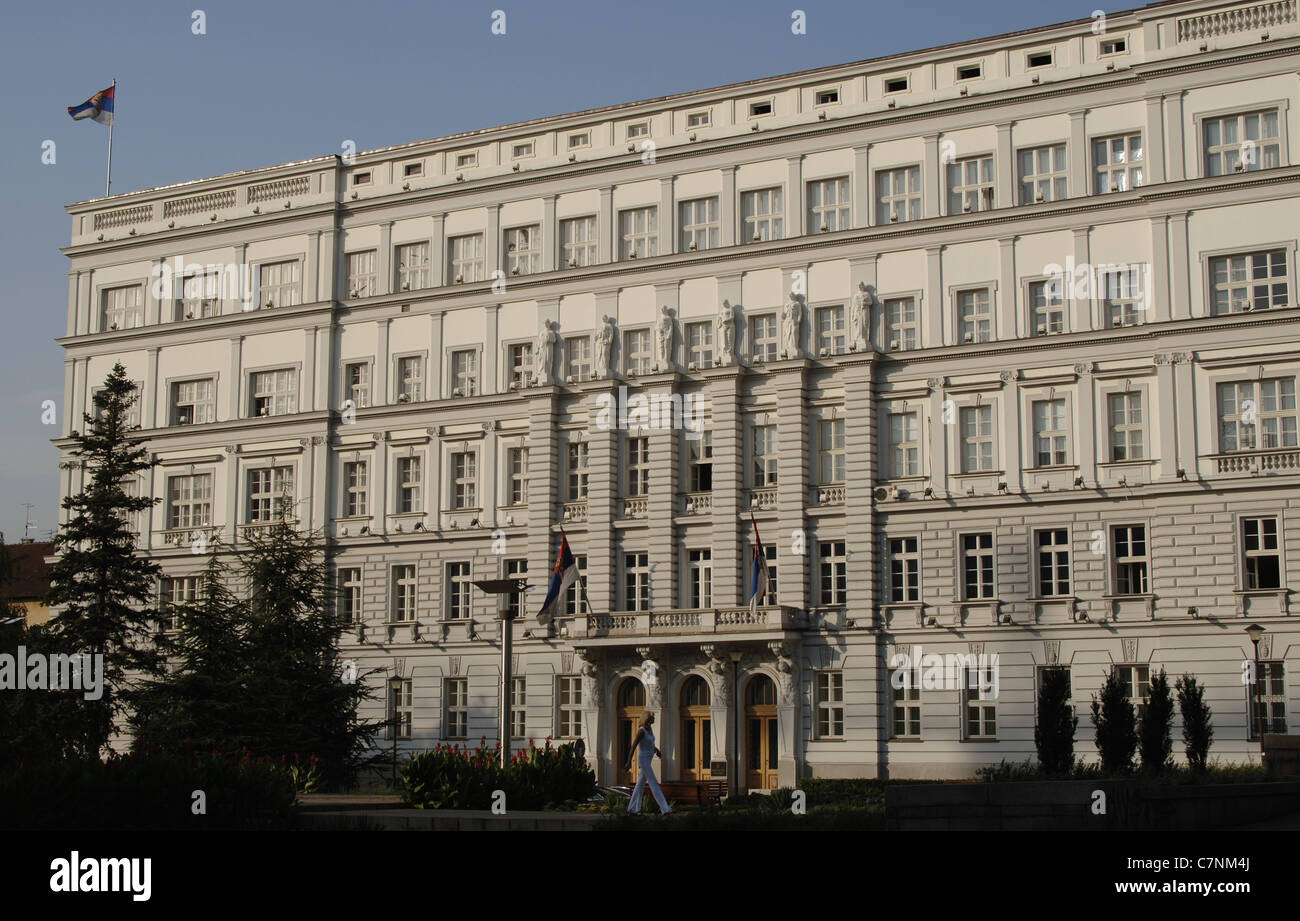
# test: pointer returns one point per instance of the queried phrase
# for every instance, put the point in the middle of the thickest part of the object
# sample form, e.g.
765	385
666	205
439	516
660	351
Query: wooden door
629	709
760	734
696	747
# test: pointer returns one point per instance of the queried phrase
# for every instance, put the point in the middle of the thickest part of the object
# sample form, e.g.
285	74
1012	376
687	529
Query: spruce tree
1155	734
1114	721
101	587
1198	732
1054	732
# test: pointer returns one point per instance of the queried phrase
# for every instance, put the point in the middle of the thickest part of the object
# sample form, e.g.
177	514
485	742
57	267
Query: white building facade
995	344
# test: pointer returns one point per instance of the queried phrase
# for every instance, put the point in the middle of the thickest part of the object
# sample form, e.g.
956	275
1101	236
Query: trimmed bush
1198	732
1115	724
1054	731
456	777
838	791
1155	734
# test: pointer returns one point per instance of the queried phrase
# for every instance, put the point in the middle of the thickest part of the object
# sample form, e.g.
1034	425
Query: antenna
28	523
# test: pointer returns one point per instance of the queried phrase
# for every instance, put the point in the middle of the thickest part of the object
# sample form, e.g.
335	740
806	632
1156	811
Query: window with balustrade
763	454
699	462
1242	143
830	451
189	500
1258	415
636	450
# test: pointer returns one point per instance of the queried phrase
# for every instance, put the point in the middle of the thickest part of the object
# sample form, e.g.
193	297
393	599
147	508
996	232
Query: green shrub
456	777
1115	724
843	791
1198	732
1054	731
1155	734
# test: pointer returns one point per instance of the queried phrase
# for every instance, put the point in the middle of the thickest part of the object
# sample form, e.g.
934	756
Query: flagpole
108	182
582	583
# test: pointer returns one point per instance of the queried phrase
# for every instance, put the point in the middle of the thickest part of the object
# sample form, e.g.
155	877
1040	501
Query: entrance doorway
760	734
629	708
697	730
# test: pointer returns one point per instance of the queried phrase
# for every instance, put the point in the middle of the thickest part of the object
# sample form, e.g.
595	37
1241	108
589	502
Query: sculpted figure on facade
791	321
591	683
544	355
725	333
664	340
860	319
604	348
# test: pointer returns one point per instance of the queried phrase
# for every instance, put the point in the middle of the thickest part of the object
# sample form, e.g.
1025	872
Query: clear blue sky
272	82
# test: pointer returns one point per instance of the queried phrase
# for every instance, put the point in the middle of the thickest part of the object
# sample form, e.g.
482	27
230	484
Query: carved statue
725	333
604	347
591	683
860	319
544	355
791	320
664	340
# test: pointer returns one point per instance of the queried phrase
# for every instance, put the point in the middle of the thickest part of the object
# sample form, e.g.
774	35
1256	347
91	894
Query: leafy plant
1114	721
1155	739
1057	723
1198	732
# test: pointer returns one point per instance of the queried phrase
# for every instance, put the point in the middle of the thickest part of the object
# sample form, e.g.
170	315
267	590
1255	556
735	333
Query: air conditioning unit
882	493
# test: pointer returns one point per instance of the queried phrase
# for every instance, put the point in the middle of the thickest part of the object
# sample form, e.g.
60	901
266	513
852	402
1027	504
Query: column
1157	293
730	573
727	213
149	398
863	205
492	243
602	498
1184	394
1154	141
1004	169
937	437
792	485
1007	320
307	385
934	331
1009	430
439	385
550	234
1077	157
1086	395
326	272
379	498
930	177
544	500
155	293
794	206
438	245
385	276
1082	309
379	383
660	534
667	218
236	379
1177	159
311	271
1166	419
1180	302
491	350
608	233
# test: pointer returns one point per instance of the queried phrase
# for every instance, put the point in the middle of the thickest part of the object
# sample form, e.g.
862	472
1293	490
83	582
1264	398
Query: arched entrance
629	708
696	729
760	734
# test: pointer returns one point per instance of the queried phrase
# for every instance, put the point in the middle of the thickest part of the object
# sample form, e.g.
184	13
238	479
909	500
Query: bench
694	792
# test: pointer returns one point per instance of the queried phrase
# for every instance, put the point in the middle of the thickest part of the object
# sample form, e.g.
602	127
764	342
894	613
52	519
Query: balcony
1257	463
762	498
697	503
575	511
195	534
254	528
832	494
690	624
636	508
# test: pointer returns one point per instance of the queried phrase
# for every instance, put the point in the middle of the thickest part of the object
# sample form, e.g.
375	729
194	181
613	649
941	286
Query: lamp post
1255	632
501	587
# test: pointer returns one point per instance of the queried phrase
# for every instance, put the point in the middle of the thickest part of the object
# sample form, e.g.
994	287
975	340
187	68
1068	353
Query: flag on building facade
97	108
758	571
563	575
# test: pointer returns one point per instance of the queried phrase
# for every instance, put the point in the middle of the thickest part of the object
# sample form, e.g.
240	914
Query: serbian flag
98	107
758	571
563	575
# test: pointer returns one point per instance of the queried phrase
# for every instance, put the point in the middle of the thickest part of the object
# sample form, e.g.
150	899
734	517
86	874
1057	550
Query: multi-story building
995	343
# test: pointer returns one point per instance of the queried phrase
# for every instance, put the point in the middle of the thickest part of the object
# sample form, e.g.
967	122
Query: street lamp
1255	632
501	587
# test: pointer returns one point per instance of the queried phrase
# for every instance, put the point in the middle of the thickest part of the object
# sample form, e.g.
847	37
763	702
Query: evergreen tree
1115	724
101	586
1054	732
1198	732
1155	734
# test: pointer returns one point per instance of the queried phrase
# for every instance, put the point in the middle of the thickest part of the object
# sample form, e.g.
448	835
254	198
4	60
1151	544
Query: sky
266	82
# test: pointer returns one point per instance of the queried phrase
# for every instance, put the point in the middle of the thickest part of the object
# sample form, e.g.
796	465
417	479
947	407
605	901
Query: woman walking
644	747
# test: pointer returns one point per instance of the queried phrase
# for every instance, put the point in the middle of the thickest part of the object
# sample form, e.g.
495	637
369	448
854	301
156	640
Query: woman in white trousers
644	747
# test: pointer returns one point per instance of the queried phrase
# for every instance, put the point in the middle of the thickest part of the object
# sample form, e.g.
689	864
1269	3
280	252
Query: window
466	160
700	578
1125	412
976	439
356	378
1248	281
410	480
763	455
400	708
199	296
410	170
1129	551
577	470
518	707
907	710
516	476
636	351
827	97
1050	433
280	284
1112	46
636	582
349	598
464	479
1136	681
763	342
699	345
831	337
1039	59
579	244
133	487
901	328
1261	553
194	402
274	393
698	120
577	353
515	569
762	214
177	593
361	274
1117	163
189	500
638	233
1052	550
410	379
123	307
1241	143
269	489
361	178
466	257
830	705
699	225
896	84
830	434
974	315
464	372
977	566
522	150
898	195
757	109
523	247
579	140
521	364
769	551
904	570
1042	174
1257	415
1270	688
699	453
970	185
828	205
356	477
456	719
577	591
458	591
638	465
638	130
904	445
981	714
1125	296
570	695
969	71
832	573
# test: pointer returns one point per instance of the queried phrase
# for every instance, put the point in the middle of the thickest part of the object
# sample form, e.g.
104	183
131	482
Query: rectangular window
1261	554
699	345
904	445
199	296
763	344
1270	688
400	708
1242	143
1257	415
515	569
1050	433
1248	281
831	336
523	246
521	364
1046	308
698	120
361	178
699	455
458	591
898	195
1043	173
123	307
577	141
969	71
410	170
636	581
907	711
577	470
280	284
1117	163
638	465
638	233
762	215
522	150
974	315
638	130
904	570
410	485
466	256
827	97
573	598
516	476
1041	673
830	705
759	108
361	274
570	696
270	494
1126	438
577	355
896	84
456	719
1112	46
977	566
356	481
763	452
579	244
273	393
194	402
518	707
970	185
901	328
349	597
410	379
829	205
981	715
636	351
699	225
466	160
1136	681
464	373
464	479
1129	552
976	439
1039	59
356	378
189	500
832	573
1052	551
700	578
1125	295
831	450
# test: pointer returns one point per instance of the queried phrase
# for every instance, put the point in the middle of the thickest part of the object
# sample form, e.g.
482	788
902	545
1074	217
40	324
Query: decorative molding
1130	645
1052	652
